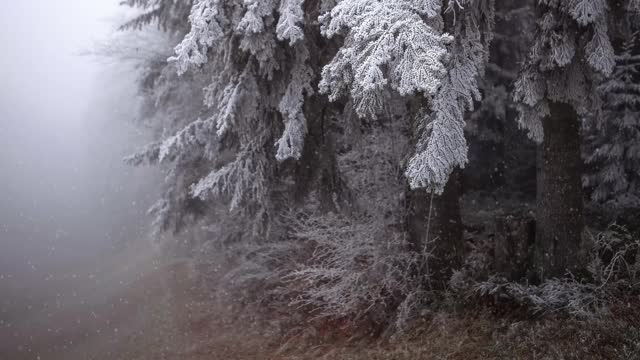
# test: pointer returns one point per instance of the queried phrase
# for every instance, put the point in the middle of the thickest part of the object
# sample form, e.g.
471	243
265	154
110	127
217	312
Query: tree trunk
317	168
514	239
559	202
519	158
441	235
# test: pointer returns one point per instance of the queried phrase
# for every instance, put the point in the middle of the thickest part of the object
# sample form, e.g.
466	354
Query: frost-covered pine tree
613	135
167	101
258	135
499	157
264	137
570	51
231	48
166	15
433	53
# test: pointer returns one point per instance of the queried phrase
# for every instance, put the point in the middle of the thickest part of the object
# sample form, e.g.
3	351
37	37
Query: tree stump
513	245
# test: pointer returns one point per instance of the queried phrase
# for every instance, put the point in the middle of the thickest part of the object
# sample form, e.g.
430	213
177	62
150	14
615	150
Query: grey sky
40	40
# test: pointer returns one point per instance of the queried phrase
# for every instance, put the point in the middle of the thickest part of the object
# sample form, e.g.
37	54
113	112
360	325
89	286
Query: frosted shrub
359	260
357	266
613	272
616	258
578	299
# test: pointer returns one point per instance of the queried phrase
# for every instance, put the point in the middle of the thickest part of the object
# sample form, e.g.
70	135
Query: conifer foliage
613	136
236	46
299	138
572	50
568	32
408	39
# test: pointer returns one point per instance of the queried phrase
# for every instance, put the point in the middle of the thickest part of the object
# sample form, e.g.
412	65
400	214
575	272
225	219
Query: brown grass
163	316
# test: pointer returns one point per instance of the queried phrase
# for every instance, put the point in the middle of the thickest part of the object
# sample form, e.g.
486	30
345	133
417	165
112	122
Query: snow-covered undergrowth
613	271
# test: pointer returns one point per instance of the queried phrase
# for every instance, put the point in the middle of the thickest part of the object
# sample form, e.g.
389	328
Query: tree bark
559	201
318	168
440	234
518	158
514	239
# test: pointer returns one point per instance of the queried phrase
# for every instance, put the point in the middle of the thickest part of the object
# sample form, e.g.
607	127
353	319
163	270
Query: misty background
67	201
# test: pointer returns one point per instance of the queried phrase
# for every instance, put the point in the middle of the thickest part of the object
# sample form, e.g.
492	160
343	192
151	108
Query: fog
66	198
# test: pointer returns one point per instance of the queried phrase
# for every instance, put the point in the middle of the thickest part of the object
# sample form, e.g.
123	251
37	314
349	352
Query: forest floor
162	315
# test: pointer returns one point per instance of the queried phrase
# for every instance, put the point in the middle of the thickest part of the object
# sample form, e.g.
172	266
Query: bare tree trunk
518	158
559	203
440	233
318	168
446	229
513	242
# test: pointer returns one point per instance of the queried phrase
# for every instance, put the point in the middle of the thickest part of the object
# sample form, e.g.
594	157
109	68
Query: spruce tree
417	49
613	134
570	50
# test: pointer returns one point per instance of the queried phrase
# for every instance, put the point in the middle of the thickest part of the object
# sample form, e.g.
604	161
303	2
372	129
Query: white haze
65	124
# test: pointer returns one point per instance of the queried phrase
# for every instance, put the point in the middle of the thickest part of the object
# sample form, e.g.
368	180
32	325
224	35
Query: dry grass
161	316
211	331
465	336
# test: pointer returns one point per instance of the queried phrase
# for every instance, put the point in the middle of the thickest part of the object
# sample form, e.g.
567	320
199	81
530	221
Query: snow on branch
291	16
147	156
189	139
586	12
388	43
554	70
442	145
613	138
291	107
232	95
252	21
205	31
600	54
241	179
